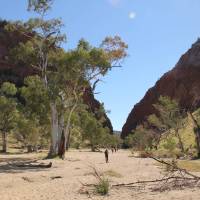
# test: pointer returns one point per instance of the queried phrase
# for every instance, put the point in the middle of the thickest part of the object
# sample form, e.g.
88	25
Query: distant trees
140	139
93	131
170	144
170	117
87	130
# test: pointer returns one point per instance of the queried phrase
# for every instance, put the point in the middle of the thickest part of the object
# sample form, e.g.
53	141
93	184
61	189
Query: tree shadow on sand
20	165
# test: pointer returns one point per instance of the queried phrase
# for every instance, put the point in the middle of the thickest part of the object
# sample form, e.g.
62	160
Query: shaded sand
41	184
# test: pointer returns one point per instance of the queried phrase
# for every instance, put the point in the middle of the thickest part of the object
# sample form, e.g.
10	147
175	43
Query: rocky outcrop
94	107
8	70
181	83
16	73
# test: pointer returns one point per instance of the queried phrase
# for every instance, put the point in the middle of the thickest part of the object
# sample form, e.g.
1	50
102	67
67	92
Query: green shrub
164	153
170	144
102	187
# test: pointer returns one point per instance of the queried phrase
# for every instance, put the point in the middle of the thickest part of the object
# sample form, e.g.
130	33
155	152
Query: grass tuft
102	187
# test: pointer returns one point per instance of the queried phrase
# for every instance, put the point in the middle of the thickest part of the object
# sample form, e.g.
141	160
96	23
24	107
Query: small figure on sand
106	155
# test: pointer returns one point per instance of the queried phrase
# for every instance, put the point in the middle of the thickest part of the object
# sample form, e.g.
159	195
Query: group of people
106	152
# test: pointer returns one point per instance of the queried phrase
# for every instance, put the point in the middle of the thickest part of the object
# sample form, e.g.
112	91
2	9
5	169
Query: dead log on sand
42	165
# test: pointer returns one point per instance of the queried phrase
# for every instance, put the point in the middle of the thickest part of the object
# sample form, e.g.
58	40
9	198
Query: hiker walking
106	155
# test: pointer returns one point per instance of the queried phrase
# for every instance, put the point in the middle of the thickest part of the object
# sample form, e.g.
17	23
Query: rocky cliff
8	70
94	105
16	73
181	83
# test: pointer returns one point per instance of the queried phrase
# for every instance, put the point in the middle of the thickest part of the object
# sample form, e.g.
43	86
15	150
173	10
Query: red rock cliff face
181	83
16	73
8	70
94	105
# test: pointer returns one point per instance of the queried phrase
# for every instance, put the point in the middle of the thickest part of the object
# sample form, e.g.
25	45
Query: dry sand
37	184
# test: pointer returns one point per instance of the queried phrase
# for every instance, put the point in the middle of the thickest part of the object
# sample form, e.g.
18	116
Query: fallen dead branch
42	165
176	178
174	167
151	181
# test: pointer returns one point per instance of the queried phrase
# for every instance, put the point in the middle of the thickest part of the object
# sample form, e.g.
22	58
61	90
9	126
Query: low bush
102	187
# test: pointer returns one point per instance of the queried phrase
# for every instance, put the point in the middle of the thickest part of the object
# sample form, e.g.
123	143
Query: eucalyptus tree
42	36
157	127
170	116
78	68
93	131
34	123
196	131
9	113
65	75
27	132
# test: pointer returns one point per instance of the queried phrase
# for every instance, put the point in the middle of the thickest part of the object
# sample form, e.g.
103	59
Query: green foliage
188	139
102	187
76	137
156	122
170	113
115	48
128	141
170	144
36	98
8	114
93	131
23	53
8	89
40	6
8	107
27	132
63	77
170	117
140	139
113	140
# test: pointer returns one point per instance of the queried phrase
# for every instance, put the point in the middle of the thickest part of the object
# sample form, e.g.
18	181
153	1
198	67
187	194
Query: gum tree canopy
65	75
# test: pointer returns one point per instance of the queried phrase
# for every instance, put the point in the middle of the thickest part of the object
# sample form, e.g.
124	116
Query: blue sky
158	32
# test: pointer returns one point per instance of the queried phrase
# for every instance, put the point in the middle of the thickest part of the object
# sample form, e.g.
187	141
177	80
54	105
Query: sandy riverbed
38	184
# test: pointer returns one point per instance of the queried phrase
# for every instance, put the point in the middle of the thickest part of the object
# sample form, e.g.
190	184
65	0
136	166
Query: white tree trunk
54	130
